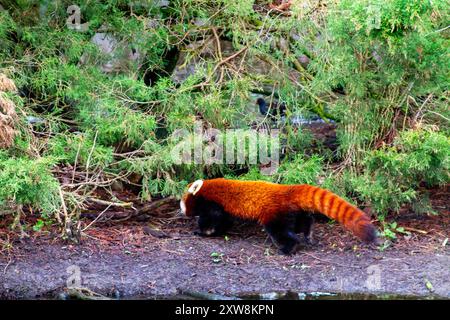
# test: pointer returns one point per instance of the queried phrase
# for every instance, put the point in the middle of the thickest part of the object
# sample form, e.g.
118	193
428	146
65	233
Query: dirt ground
124	260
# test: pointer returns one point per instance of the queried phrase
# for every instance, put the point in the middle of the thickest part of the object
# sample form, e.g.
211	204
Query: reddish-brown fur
264	201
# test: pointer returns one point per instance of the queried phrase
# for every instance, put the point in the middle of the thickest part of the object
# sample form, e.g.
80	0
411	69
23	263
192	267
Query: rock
203	50
149	4
376	56
117	186
194	57
304	60
121	56
201	22
34	120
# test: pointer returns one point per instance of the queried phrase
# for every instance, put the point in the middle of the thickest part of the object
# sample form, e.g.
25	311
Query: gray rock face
121	57
195	56
105	42
304	60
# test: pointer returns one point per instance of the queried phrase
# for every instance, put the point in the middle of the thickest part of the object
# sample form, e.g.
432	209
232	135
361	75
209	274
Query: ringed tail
319	200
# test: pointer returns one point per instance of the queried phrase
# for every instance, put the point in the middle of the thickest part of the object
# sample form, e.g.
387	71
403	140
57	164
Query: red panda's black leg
213	220
303	224
213	224
282	232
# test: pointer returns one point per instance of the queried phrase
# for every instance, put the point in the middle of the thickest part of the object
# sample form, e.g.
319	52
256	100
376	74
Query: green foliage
238	9
416	156
80	149
298	141
7	24
254	174
41	223
27	182
379	69
53	78
301	171
385	56
388	44
382	193
115	123
392	174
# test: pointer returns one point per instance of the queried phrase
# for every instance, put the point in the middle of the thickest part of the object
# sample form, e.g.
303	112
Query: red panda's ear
195	187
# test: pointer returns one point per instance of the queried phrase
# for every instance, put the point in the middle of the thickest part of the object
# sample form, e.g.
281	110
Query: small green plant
38	225
217	257
383	246
389	233
41	223
429	285
253	174
390	230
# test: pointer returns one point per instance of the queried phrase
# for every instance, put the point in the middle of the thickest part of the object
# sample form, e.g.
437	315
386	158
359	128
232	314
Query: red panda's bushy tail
319	200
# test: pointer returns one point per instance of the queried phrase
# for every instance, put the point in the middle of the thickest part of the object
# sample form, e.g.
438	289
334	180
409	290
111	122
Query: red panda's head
188	200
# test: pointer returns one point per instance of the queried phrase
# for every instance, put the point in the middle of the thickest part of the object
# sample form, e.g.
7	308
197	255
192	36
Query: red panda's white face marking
183	206
187	199
195	187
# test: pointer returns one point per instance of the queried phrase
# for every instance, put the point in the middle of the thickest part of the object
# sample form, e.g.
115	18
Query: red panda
269	204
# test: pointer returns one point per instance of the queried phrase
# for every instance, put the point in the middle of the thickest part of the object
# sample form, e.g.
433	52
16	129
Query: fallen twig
85	294
155	204
7	265
111	204
415	230
95	220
